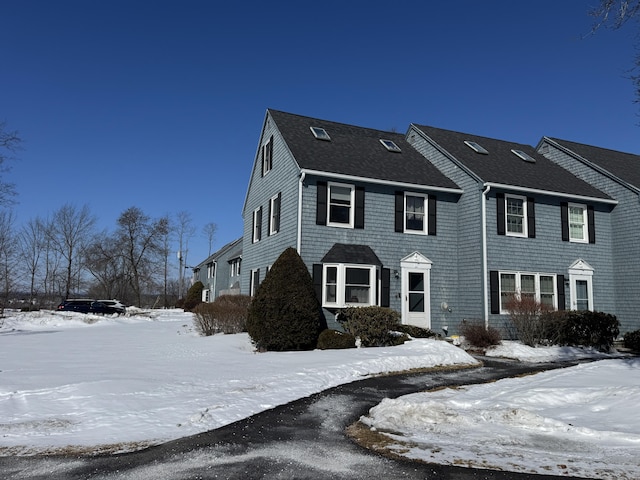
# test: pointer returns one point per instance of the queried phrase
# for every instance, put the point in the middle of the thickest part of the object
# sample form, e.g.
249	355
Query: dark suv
108	307
82	305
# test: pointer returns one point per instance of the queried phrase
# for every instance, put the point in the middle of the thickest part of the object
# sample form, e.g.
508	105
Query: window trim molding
256	233
585	222
275	210
267	156
525	217
352	206
518	286
425	219
341	285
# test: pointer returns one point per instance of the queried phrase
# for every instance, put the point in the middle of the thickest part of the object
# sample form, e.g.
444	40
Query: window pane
507	286
515	215
528	285
357	286
340	204
582	295
416	282
416	302
357	276
340	195
331	294
332	274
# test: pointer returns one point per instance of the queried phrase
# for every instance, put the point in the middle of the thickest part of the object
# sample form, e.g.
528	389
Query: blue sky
159	105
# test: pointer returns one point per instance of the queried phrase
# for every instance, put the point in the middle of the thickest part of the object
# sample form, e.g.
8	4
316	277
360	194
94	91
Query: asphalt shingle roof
347	253
625	166
356	151
502	166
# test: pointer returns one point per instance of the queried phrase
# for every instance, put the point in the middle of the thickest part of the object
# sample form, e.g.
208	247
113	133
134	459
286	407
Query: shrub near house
284	313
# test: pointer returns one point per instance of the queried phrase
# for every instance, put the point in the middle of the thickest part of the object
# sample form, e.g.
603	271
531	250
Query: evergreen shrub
415	331
285	313
194	296
632	340
374	326
333	339
587	329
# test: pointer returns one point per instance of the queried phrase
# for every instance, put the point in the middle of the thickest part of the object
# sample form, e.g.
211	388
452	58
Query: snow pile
579	421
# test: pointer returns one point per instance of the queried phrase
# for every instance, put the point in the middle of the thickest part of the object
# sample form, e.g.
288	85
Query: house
374	222
525	225
438	225
220	272
618	175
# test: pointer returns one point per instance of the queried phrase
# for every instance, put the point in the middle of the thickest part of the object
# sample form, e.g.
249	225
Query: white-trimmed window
415	213
257	225
211	270
516	215
254	281
235	267
578	230
267	156
274	214
340	203
348	285
541	287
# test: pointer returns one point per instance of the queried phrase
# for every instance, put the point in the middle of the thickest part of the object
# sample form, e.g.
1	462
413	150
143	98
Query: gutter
354	178
572	196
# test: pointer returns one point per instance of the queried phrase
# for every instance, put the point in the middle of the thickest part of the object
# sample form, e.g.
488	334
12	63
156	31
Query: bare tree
70	231
184	232
105	261
7	255
10	142
139	238
31	245
164	233
614	14
209	231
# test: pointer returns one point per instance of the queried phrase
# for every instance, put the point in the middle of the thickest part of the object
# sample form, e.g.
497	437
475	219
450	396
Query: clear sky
159	104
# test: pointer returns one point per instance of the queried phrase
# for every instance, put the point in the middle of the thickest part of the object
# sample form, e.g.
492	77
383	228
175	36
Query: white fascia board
353	178
581	198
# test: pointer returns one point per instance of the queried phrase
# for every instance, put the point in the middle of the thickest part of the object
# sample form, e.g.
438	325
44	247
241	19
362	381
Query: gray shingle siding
624	289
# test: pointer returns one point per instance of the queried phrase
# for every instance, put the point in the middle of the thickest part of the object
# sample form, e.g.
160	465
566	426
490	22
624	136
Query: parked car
82	305
108	307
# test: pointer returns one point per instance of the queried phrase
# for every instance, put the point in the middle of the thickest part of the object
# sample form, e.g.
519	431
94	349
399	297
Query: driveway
302	440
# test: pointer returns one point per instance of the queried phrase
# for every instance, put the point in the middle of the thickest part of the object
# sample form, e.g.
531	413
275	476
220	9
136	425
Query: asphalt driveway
302	440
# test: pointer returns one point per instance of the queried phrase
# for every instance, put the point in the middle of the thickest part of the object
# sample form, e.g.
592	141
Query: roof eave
573	196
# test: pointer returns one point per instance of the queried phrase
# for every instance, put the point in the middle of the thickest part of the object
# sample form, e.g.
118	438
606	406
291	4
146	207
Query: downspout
484	255
299	235
215	280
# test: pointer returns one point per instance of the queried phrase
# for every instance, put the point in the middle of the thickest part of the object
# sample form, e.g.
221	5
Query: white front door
416	298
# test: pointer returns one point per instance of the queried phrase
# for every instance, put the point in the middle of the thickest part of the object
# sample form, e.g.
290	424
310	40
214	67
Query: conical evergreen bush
284	313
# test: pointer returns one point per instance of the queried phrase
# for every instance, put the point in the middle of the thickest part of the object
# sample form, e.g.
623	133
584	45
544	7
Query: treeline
64	256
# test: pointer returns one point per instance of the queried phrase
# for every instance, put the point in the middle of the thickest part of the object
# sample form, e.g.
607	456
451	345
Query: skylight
524	156
476	147
320	133
390	145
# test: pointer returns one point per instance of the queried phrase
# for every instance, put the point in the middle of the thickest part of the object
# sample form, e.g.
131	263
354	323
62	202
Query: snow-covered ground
120	383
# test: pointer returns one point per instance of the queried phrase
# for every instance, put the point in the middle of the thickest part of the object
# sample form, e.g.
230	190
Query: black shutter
564	220
269	226
317	280
531	217
321	203
359	213
432	215
500	213
385	288
494	286
561	295
399	219
270	147
591	224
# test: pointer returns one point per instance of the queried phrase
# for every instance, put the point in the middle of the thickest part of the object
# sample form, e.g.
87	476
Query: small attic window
476	147
390	145
524	156
320	133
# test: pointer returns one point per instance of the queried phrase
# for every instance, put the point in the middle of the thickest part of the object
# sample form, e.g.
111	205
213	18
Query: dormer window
320	133
476	147
524	156
390	145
